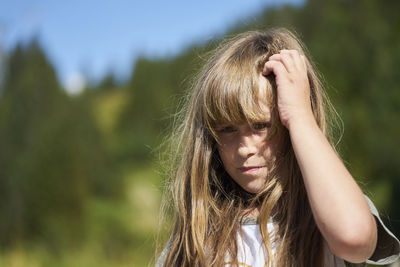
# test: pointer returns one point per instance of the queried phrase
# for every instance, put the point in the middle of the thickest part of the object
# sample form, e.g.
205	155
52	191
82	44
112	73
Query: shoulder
163	256
388	246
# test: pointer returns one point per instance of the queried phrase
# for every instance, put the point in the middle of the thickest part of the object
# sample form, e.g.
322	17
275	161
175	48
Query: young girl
256	179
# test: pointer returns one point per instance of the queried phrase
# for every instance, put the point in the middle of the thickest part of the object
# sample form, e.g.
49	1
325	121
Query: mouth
251	169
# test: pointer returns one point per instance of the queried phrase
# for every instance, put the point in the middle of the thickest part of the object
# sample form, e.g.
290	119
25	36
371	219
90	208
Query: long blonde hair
207	204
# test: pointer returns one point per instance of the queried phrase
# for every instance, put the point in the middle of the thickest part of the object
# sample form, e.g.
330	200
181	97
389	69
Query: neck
253	213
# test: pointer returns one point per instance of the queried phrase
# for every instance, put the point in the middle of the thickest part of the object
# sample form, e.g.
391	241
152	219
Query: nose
247	145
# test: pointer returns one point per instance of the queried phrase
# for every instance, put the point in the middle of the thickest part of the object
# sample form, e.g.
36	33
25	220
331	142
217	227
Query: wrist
301	121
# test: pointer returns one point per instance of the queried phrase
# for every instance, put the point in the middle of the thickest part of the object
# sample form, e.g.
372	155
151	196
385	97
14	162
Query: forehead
245	106
264	113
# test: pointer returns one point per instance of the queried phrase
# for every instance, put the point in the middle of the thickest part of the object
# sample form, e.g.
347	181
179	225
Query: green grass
116	233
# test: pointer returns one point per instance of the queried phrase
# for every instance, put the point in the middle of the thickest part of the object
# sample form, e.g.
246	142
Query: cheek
272	151
226	154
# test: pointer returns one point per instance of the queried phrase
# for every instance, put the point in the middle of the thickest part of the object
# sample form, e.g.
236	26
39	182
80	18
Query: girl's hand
293	87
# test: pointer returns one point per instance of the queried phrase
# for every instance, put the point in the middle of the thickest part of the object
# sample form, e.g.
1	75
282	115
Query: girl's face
246	153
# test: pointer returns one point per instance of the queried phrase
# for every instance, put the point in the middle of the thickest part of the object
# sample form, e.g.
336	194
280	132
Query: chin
252	190
253	186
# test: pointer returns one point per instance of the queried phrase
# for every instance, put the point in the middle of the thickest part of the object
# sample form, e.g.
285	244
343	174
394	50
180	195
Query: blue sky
88	38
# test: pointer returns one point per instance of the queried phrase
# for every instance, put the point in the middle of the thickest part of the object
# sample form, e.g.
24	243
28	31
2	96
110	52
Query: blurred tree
155	90
50	157
108	82
2	67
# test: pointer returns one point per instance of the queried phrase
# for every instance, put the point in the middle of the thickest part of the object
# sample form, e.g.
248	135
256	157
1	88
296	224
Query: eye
258	126
227	129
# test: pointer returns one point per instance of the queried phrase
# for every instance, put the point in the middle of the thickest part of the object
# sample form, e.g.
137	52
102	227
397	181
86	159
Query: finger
304	61
299	59
275	67
285	61
291	60
276	57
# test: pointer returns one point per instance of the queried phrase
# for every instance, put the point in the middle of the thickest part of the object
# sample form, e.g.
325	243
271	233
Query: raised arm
338	204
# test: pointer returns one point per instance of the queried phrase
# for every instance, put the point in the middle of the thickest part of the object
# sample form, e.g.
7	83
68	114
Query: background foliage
79	184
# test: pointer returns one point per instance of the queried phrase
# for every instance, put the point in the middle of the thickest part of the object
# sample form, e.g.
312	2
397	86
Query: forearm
338	204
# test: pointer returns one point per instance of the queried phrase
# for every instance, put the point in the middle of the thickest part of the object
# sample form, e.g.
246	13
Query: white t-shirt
251	249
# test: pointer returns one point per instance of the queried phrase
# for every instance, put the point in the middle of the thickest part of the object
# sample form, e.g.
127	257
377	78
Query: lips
250	169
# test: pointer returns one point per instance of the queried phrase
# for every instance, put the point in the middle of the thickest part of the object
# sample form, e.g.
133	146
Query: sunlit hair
207	204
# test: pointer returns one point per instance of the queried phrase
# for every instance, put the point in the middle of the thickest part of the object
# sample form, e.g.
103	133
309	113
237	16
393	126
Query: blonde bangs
232	95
